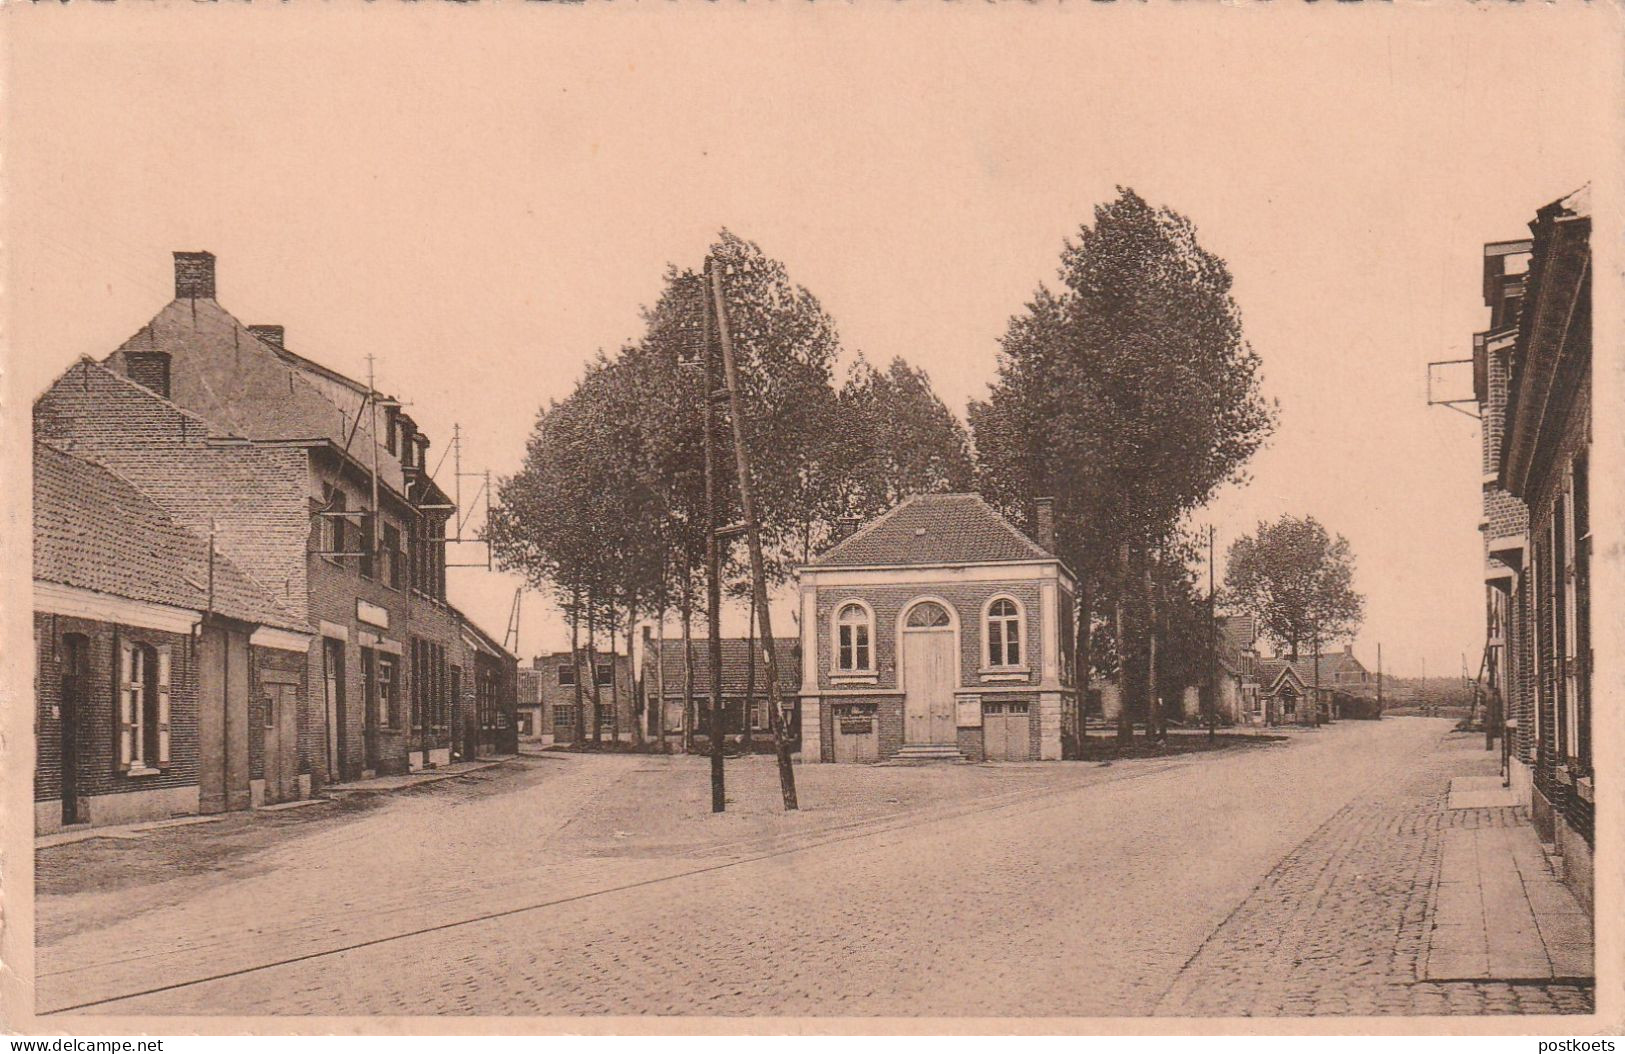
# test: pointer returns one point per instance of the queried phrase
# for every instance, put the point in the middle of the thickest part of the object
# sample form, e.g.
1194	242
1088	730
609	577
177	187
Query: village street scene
739	630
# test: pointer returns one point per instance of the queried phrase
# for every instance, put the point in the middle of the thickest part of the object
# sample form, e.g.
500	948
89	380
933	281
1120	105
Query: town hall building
938	631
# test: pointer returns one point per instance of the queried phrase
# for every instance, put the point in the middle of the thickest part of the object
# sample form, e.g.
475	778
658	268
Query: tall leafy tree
1129	394
899	438
1298	580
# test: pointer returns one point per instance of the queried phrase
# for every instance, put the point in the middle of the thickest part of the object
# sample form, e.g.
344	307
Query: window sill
854	677
142	772
1004	673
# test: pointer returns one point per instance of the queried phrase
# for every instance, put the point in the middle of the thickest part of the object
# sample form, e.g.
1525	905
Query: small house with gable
938	631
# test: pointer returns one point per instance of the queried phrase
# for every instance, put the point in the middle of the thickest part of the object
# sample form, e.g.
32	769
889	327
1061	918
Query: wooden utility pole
753	534
713	560
1379	678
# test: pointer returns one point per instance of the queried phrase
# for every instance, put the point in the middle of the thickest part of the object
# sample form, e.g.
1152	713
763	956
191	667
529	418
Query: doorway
929	644
281	742
75	673
333	700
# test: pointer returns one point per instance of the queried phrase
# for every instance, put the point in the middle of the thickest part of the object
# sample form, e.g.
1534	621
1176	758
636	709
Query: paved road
1282	879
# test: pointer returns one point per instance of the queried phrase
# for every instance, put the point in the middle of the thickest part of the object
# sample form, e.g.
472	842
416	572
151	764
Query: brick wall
967	599
96	737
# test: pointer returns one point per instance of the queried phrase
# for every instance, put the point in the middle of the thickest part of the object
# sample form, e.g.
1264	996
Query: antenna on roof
462	515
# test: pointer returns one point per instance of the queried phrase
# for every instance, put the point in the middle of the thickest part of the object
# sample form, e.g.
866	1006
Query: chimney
848	527
272	335
194	276
1348	649
1044	523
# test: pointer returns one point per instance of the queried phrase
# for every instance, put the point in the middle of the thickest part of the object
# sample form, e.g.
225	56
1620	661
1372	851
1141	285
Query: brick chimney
194	276
1044	523
272	335
848	527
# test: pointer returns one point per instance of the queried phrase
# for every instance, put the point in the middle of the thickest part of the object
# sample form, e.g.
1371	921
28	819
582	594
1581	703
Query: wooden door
75	666
929	676
281	743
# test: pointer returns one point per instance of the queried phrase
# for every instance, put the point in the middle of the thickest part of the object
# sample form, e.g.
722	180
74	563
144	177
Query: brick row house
138	620
664	674
939	630
316	488
1532	382
548	697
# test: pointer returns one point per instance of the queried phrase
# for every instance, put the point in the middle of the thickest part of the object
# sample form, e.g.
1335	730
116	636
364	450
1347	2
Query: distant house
939	630
554	677
663	680
142	630
1239	700
1303	691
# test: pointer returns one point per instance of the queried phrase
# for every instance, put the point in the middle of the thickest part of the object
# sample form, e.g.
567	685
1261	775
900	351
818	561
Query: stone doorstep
1499	914
1480	792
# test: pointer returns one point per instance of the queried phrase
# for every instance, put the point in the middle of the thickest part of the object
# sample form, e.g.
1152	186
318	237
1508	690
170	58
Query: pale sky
484	196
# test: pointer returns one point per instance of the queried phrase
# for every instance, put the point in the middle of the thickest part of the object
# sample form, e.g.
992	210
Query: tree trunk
750	678
688	665
657	717
1154	730
1125	720
631	642
614	680
580	729
592	672
1084	617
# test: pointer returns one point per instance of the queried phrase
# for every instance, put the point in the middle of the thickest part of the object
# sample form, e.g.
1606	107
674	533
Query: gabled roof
1272	672
229	376
932	529
94	530
486	642
787	651
253	495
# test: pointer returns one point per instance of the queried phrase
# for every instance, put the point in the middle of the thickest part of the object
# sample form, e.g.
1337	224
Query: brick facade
999	709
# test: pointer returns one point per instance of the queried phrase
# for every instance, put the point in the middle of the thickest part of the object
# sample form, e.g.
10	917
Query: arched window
854	638
1003	632
928	615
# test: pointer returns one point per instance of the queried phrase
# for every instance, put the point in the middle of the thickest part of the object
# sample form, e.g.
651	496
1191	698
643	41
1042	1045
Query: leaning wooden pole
758	577
713	560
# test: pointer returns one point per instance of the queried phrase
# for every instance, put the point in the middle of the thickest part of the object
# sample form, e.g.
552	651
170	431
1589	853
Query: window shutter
163	704
124	705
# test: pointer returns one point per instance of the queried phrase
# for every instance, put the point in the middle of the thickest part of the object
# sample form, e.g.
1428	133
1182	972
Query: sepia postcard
751	517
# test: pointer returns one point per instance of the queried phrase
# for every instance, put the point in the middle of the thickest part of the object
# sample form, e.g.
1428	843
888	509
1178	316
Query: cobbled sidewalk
1340	926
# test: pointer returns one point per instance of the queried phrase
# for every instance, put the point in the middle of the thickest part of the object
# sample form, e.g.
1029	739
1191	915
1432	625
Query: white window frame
867	623
1021	665
132	704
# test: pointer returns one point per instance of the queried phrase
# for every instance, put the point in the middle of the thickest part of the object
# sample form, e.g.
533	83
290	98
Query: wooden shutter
163	704
125	688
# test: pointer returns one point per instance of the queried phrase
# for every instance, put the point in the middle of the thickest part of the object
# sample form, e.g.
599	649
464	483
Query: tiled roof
94	530
787	650
934	529
227	375
253	495
1304	667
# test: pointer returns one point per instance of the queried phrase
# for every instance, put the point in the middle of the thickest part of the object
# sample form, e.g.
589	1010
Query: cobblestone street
1276	877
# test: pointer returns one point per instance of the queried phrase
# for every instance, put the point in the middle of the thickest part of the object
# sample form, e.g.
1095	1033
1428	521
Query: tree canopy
1298	581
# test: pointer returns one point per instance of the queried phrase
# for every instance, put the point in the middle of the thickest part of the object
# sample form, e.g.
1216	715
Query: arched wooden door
929	662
